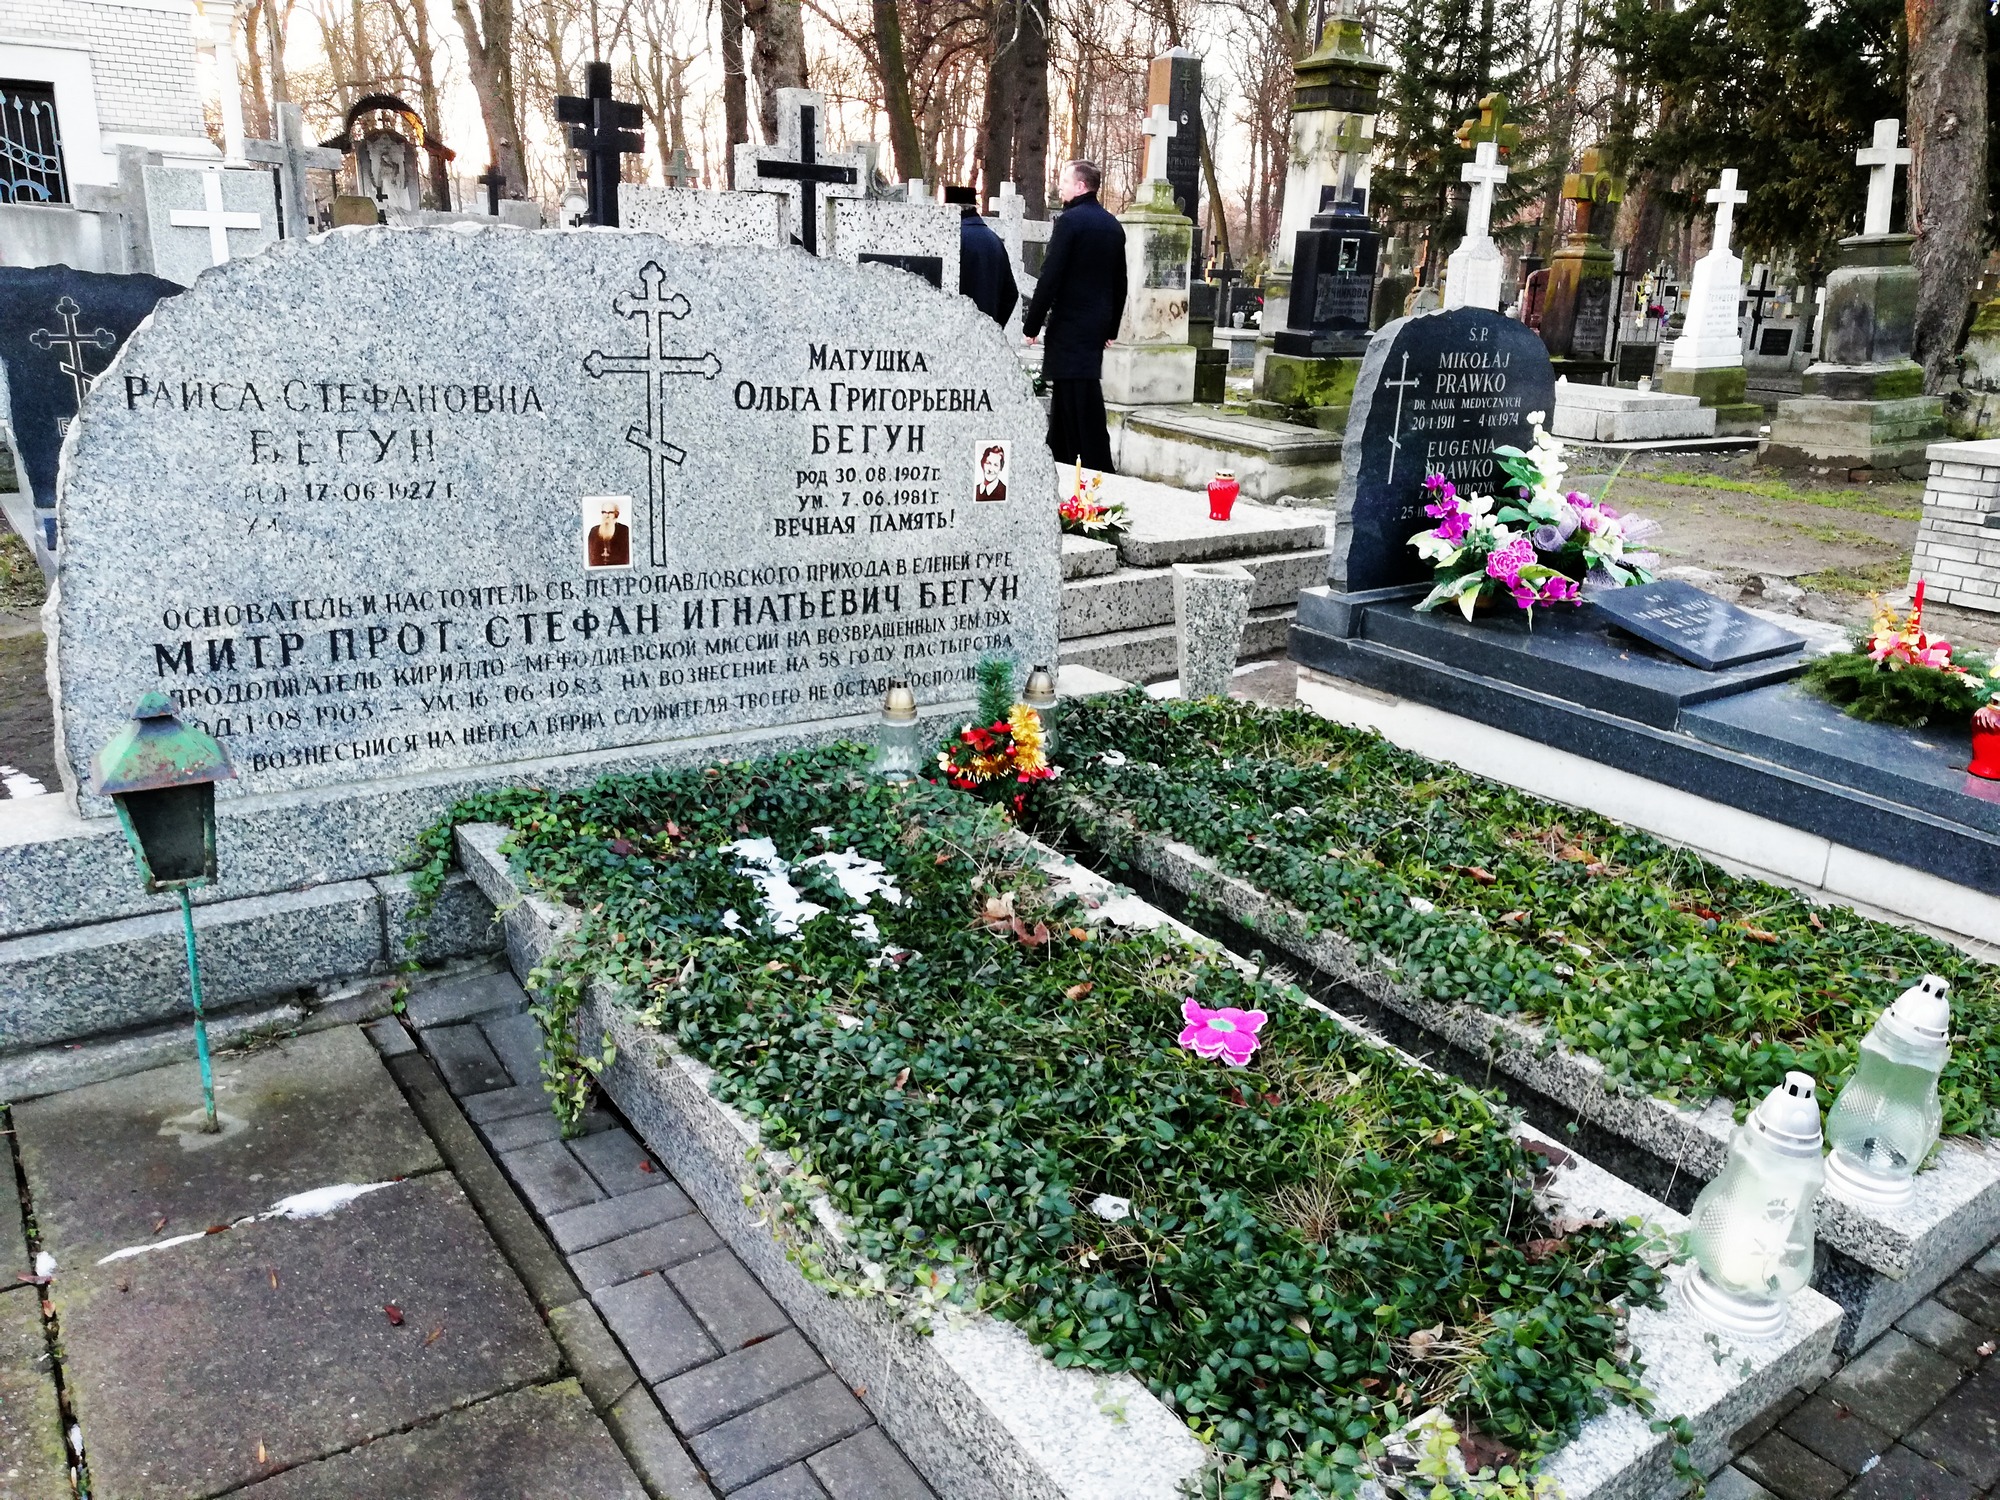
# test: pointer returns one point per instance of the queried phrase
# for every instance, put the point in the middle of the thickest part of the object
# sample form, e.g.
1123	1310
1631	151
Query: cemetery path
354	1291
27	729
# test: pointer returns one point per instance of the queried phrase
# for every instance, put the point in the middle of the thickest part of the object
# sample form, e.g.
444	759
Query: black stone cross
603	129
74	343
807	168
1758	294
492	179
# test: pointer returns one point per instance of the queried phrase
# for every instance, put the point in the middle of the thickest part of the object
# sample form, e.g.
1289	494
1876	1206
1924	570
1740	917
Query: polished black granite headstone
59	329
1695	626
1437	393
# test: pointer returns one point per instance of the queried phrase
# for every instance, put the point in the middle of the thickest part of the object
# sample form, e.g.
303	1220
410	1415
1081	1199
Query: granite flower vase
1222	492
1986	743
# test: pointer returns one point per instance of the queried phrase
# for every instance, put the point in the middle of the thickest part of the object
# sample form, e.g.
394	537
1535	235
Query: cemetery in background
569	672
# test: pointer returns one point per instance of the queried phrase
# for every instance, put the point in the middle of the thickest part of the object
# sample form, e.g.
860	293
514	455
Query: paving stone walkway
697	1338
1914	1416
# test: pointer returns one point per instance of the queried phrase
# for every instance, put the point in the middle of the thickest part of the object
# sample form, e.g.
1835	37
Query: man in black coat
1081	297
983	272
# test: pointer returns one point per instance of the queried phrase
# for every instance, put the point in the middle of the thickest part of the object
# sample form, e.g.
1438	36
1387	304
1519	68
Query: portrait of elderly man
607	540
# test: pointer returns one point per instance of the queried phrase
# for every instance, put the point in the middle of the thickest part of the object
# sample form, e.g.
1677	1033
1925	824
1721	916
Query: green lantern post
160	774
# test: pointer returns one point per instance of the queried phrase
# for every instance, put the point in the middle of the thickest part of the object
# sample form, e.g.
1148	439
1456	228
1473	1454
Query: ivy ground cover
1322	1243
1684	981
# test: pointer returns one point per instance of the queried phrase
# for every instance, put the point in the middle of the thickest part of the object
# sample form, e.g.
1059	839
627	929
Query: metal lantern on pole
897	748
160	774
1752	1228
1884	1123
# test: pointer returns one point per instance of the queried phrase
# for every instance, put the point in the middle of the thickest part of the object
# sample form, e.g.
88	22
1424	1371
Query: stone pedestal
1211	607
1151	361
1608	414
1576	317
1313	392
1472	275
1861	407
1721	389
1979	414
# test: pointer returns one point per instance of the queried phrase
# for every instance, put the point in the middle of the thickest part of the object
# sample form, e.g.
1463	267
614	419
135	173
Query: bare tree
489	61
413	25
778	54
1948	146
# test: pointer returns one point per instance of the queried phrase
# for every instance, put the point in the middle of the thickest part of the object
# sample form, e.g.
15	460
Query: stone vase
1211	607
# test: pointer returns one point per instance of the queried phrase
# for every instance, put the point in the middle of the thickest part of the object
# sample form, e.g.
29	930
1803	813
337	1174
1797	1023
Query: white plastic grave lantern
1886	1120
1040	695
898	751
1752	1228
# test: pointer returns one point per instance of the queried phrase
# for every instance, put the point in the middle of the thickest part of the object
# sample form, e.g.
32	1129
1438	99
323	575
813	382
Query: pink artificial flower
1505	562
1560	590
1228	1033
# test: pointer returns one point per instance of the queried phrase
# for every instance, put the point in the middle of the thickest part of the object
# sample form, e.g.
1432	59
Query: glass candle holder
1751	1230
1886	1120
898	747
1040	695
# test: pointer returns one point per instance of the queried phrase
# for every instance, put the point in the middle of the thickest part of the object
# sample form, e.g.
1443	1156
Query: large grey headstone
367	540
198	218
921	238
697	217
1437	393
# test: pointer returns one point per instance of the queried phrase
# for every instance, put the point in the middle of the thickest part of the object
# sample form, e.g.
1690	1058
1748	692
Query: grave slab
983	1415
182	1362
1697	627
526	1445
1185	445
107	1162
1134	598
1611	414
1169	525
1087	557
33	1462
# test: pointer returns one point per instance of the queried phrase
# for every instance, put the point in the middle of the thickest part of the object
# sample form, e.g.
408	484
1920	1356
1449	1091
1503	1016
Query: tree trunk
778	57
1947	109
489	61
895	76
735	93
277	22
997	122
413	21
1031	107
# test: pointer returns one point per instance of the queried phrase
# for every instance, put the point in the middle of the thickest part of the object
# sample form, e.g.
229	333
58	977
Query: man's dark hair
1087	174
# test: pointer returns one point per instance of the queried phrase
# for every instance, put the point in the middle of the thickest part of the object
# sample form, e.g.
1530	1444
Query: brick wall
142	59
1958	541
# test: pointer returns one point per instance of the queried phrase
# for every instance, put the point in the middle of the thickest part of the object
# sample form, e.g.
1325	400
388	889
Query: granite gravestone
1438	392
59	329
920	238
1699	628
540	496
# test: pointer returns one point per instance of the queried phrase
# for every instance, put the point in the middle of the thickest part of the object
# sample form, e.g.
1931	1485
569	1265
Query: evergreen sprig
1909	696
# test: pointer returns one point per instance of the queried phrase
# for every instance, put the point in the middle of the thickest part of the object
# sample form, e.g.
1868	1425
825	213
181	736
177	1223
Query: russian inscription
367	549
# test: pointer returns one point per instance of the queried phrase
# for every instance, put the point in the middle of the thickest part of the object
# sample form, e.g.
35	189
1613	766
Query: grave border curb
713	1151
1912	1253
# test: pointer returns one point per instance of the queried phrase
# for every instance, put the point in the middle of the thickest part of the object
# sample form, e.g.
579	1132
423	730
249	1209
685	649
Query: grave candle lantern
897	751
160	774
1884	1123
1040	695
1222	492
1752	1228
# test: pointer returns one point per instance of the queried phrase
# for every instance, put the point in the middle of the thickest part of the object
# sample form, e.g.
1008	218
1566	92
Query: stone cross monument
801	168
1882	159
1708	356
1472	276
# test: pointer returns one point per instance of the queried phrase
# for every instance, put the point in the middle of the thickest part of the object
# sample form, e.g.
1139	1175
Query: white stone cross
913	191
1485	174
1882	158
293	155
1725	196
1159	129
212	217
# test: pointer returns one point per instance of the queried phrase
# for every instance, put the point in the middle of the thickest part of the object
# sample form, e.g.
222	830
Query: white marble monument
1472	275
1712	335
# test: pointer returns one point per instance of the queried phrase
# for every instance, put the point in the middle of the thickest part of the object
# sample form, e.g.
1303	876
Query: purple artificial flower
1560	590
1548	538
1505	562
1228	1033
1452	528
1441	487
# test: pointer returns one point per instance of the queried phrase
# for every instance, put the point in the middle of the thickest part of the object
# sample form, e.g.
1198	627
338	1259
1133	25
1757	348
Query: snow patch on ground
859	879
315	1203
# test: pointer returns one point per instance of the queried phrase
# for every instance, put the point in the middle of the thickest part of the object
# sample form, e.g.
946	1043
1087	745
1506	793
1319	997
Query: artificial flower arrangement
1083	514
1535	544
1898	673
1003	755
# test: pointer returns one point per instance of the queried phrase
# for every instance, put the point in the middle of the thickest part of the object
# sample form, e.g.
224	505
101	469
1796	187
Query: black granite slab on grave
1921	767
1744	737
1697	627
1568	653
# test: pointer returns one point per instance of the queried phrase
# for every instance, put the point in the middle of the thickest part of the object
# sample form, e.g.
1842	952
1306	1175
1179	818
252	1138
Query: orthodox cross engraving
1402	386
655	310
74	343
